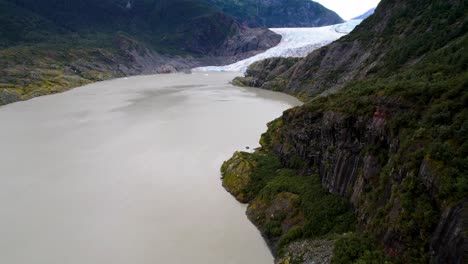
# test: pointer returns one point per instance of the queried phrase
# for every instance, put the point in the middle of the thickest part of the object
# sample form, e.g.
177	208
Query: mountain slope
366	14
184	25
279	13
153	19
387	134
52	45
388	41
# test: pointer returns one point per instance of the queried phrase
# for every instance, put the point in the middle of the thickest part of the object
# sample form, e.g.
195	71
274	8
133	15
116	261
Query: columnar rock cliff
384	127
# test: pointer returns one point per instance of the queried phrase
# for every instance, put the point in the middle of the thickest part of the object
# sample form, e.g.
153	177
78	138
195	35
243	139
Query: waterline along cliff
373	167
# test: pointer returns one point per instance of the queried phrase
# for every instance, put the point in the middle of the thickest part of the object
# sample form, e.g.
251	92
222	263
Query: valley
363	158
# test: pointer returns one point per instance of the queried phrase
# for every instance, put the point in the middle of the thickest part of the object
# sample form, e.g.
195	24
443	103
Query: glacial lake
127	172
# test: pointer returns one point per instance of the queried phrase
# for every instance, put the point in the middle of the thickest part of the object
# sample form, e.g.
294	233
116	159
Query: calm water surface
127	171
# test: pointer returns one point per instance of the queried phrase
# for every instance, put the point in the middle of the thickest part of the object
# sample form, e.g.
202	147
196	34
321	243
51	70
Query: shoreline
127	77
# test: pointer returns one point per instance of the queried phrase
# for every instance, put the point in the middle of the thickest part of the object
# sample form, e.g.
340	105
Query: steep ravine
384	148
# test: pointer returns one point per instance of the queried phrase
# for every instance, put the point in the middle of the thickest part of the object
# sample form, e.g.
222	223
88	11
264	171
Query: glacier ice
295	42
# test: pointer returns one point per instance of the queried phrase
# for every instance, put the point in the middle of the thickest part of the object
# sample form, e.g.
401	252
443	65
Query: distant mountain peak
366	14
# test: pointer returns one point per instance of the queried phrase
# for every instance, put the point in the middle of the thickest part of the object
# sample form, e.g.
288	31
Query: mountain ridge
278	13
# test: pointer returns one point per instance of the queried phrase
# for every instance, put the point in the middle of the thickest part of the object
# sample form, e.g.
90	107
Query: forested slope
387	134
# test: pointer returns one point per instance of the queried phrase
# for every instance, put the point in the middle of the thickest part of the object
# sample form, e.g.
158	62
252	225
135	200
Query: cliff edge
383	131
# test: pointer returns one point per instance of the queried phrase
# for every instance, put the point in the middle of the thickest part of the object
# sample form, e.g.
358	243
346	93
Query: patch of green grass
358	249
324	212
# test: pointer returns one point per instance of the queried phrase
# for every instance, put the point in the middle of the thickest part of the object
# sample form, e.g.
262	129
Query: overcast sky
348	9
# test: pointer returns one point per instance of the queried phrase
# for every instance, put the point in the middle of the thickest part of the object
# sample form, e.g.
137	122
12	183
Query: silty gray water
127	171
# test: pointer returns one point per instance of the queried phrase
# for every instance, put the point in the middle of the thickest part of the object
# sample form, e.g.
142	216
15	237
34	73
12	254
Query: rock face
449	240
219	35
247	42
351	156
383	126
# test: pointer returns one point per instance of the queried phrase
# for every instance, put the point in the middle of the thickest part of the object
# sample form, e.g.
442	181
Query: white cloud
348	9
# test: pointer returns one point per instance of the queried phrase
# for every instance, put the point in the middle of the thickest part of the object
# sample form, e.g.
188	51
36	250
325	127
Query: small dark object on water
247	147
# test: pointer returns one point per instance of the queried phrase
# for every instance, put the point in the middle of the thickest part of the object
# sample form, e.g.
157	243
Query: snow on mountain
295	42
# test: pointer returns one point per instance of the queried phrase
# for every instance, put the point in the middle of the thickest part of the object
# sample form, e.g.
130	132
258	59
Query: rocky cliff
387	134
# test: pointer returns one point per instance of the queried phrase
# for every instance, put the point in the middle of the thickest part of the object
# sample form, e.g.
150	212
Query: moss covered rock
236	174
284	205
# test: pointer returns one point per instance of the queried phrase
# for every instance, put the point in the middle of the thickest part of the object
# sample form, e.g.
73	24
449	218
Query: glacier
295	42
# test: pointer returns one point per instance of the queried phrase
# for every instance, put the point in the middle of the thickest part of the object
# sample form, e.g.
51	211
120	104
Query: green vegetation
245	174
324	213
357	249
285	205
50	46
425	107
276	13
29	71
407	109
163	25
430	108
